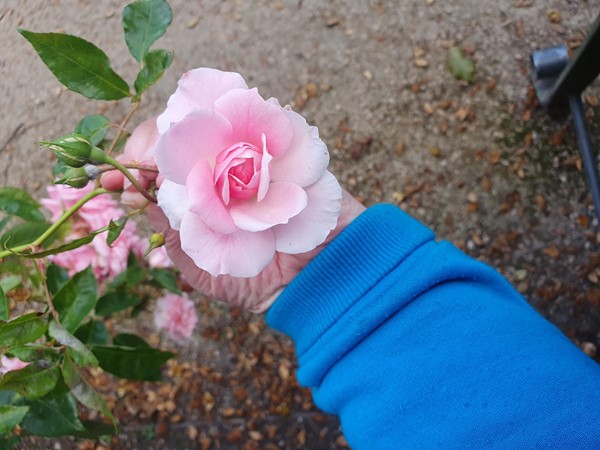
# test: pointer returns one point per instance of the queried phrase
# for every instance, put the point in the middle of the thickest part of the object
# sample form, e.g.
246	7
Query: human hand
258	293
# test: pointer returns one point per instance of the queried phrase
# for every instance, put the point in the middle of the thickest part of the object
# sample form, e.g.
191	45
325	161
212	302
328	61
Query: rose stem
120	167
122	126
62	219
39	267
108	167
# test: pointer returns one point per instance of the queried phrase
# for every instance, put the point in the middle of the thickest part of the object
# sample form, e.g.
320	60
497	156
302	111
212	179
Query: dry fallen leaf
255	435
400	148
460	67
552	251
435	151
333	21
553	16
192	22
494	157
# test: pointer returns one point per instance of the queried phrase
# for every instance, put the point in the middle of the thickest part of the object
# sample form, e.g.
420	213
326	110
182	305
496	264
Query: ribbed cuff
368	249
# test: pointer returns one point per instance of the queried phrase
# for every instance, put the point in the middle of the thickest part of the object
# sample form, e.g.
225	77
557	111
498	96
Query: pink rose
9	364
139	149
176	315
244	177
159	258
106	261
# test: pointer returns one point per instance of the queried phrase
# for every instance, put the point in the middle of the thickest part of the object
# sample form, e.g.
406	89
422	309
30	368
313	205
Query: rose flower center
237	172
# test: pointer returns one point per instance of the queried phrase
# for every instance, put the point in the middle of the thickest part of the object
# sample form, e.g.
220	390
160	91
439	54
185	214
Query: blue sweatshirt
413	344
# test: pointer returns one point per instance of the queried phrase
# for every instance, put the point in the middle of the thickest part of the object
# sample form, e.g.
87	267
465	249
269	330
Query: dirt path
478	163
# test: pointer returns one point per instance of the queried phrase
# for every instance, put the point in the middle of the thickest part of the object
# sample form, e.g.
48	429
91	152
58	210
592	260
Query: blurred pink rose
139	149
106	261
159	258
9	364
244	177
176	315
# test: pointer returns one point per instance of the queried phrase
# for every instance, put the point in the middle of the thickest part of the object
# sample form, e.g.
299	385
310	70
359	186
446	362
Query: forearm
412	343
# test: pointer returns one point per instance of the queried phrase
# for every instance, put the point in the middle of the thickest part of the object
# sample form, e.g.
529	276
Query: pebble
192	22
472	197
589	348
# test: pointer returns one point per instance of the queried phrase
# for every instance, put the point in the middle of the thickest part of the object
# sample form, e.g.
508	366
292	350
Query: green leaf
155	64
144	21
93	332
35	352
13	264
81	354
4	222
10	282
71	245
19	203
23	233
115	227
4	310
76	299
82	390
11	416
129	340
78	64
165	279
32	381
460	67
114	301
131	276
23	329
8	442
56	278
95	430
137	309
54	415
7	398
133	363
94	127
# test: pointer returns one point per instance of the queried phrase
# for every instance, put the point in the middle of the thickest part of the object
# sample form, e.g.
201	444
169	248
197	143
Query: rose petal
200	136
140	145
306	158
174	201
205	201
282	202
311	227
251	117
265	177
198	88
239	254
133	199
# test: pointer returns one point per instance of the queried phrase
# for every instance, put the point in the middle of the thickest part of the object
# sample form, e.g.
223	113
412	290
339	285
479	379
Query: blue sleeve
413	344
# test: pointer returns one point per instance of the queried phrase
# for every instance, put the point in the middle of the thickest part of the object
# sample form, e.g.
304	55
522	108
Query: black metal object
559	83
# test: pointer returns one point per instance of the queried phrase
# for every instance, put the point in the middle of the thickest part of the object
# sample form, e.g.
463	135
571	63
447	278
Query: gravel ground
480	163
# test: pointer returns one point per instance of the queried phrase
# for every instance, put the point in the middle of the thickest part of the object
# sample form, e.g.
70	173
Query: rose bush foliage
245	201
